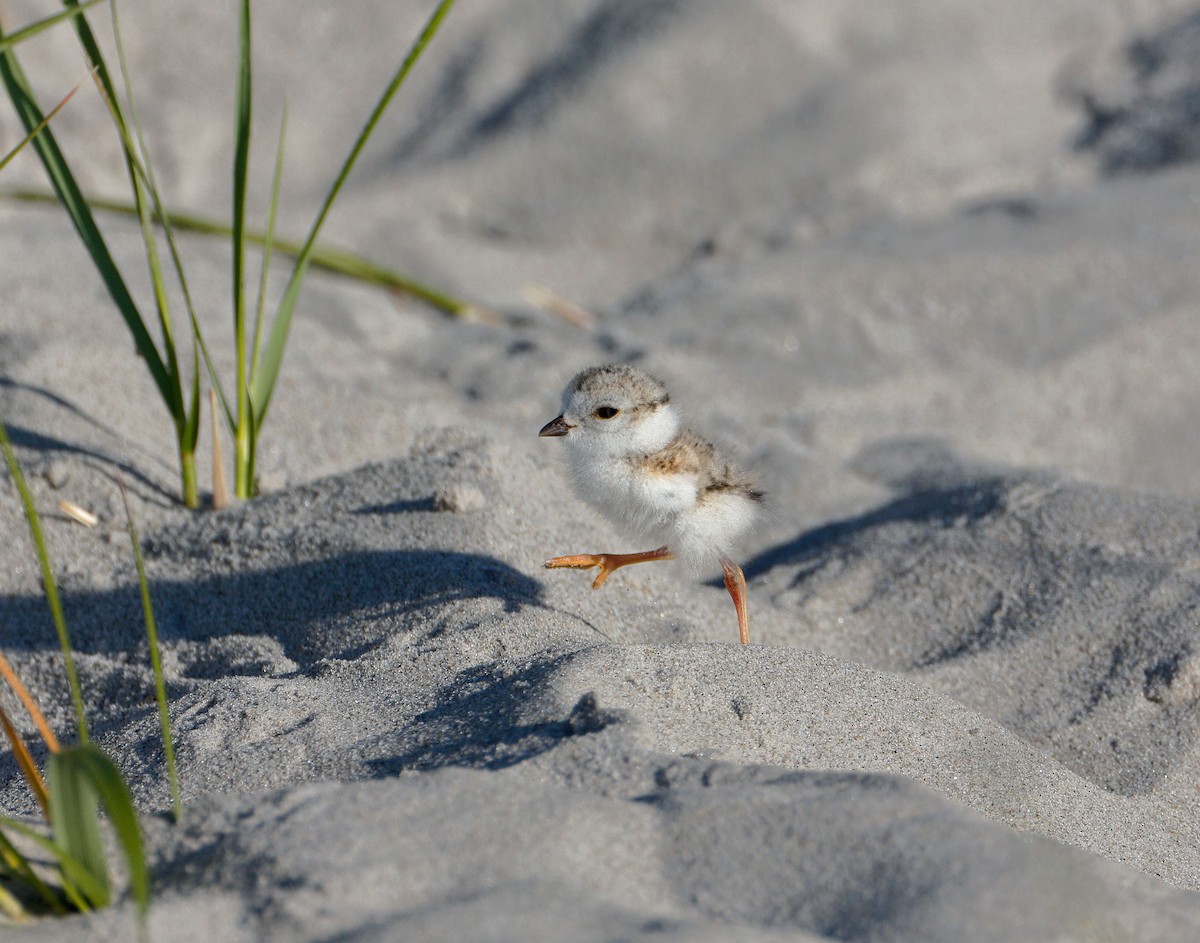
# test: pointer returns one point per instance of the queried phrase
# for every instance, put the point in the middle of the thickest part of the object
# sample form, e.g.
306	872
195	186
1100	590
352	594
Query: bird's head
614	410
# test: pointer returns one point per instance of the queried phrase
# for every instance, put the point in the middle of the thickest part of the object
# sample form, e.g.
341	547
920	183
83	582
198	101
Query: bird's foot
607	562
735	583
585	561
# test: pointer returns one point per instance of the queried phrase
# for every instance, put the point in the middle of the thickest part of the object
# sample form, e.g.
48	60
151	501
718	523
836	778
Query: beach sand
927	269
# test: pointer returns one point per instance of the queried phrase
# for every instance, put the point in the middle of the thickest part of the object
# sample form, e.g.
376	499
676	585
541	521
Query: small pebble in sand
58	473
458	498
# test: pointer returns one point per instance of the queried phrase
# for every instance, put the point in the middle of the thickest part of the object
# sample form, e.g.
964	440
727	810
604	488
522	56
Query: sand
928	269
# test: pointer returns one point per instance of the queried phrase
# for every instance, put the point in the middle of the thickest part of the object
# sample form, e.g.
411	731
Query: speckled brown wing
689	454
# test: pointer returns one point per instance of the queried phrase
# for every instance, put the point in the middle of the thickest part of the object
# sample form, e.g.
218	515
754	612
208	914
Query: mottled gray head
615	408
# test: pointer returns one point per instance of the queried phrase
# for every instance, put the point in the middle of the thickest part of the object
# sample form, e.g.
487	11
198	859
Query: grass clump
258	346
80	779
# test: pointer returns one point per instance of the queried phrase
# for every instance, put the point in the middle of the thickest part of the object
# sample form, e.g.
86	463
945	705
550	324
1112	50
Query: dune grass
49	584
80	779
258	349
322	257
160	688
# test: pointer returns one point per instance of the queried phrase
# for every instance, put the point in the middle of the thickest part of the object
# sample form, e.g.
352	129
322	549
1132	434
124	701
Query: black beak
556	426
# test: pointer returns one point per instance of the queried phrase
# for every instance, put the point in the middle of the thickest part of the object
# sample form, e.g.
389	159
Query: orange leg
607	562
735	582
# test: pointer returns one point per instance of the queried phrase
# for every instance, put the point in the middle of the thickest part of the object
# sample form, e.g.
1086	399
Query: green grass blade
191	428
268	242
144	168
26	32
328	258
18	866
212	372
144	190
241	161
364	270
160	687
79	777
164	219
169	379
67	864
4	161
75	822
170	222
91	48
49	586
11	908
136	181
263	382
241	158
72	199
246	476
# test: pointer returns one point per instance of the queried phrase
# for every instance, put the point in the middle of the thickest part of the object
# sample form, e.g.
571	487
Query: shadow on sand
295	605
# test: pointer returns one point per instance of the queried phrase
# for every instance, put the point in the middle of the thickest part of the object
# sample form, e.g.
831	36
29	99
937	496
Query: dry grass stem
76	513
220	491
559	306
25	762
27	701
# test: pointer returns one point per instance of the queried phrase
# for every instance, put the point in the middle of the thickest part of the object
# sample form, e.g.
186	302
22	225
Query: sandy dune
929	269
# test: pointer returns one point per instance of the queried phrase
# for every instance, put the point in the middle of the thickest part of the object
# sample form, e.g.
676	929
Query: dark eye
606	412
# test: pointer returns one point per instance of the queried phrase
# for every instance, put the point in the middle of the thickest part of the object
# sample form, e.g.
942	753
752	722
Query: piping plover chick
656	482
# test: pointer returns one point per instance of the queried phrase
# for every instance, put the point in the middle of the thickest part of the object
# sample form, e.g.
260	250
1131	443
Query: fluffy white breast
712	528
643	507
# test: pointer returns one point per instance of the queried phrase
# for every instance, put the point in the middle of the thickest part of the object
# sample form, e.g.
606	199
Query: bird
631	459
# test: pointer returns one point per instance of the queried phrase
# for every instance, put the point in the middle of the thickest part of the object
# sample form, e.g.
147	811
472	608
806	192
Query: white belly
644	507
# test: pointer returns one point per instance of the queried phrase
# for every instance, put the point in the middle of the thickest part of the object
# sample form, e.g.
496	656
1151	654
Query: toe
581	561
